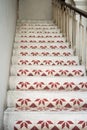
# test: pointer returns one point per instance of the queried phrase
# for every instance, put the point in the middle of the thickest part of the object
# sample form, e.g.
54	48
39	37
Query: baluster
58	15
77	35
70	27
86	47
74	32
80	39
63	23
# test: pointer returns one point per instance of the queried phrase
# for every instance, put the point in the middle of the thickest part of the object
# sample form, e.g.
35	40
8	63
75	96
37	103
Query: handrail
72	26
81	12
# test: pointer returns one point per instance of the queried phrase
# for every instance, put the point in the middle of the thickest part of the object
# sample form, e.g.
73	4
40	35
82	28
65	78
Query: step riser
35	21
36	28
42	35
41	46
39	31
37	36
36	25
45	60
36	122
54	40
45	71
44	99
46	83
42	52
37	39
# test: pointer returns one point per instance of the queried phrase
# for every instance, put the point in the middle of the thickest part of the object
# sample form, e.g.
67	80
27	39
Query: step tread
39	35
67	112
36	119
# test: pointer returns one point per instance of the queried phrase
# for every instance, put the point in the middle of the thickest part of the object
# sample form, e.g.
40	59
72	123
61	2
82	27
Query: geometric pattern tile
45	60
46	83
42	52
25	70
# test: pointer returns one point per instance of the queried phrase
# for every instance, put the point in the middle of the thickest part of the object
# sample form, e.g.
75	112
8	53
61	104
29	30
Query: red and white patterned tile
41	45
23	120
25	70
47	99
39	35
46	83
45	60
46	31
39	39
43	52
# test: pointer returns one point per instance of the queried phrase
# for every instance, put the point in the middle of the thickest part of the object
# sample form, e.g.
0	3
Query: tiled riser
46	121
19	39
38	31
41	45
41	52
48	83
45	60
46	100
44	71
39	35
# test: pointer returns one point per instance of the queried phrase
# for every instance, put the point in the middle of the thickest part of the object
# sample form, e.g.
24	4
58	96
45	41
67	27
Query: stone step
43	52
41	45
48	83
35	24
36	21
16	119
39	31
35	27
34	70
47	99
39	35
24	25
45	60
20	39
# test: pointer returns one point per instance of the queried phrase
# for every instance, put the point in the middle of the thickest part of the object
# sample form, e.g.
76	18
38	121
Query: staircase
47	85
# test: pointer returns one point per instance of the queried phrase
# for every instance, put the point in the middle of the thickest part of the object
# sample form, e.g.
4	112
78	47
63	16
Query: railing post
65	17
84	43
74	32
53	10
63	23
70	27
56	18
80	39
58	15
86	49
77	36
67	25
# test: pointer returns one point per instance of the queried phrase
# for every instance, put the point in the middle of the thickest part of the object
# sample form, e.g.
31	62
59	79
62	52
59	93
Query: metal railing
73	25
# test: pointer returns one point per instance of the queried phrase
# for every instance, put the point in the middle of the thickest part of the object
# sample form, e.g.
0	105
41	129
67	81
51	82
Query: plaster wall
7	29
35	9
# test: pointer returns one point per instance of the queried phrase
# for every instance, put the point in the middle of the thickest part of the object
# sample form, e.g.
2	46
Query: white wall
35	9
7	29
82	4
